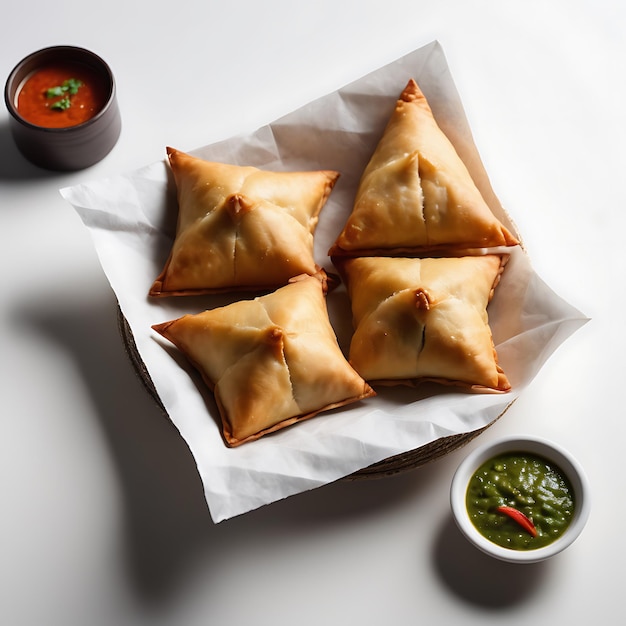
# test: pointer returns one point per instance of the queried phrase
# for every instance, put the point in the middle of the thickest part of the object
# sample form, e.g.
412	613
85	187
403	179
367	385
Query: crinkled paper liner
131	219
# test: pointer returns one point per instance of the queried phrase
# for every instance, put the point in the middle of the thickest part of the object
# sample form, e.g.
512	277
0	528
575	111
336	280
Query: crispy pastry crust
416	196
419	320
240	228
270	362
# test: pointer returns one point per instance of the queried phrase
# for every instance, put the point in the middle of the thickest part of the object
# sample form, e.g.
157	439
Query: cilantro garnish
66	89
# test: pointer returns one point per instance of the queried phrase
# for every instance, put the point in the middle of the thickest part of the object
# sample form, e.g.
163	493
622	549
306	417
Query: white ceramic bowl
569	466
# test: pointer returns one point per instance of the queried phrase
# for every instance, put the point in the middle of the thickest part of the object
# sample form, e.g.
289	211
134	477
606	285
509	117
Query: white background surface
103	520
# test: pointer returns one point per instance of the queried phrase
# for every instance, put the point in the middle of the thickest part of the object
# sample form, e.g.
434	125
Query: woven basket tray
392	465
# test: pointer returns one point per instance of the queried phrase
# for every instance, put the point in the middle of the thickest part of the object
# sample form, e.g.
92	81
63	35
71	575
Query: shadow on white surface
165	515
479	579
13	166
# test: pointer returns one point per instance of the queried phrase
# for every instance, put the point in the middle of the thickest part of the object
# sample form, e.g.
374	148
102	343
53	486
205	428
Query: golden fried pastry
271	361
424	319
416	196
239	227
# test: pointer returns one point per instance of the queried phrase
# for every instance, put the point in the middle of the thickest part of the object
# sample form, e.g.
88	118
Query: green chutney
528	483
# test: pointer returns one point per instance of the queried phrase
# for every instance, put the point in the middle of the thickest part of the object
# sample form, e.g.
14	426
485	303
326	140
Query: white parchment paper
132	220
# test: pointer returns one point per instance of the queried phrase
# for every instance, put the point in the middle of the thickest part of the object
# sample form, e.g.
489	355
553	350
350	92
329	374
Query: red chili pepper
519	517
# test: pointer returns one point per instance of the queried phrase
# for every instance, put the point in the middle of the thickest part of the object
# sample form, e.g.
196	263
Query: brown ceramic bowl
71	147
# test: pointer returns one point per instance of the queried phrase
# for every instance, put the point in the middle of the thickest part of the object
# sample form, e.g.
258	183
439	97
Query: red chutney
80	96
